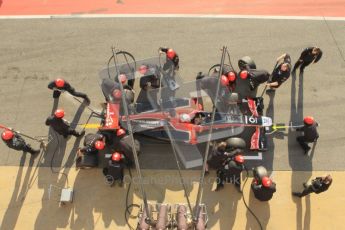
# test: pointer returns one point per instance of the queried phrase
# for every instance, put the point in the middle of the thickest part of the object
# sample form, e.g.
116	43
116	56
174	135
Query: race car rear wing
259	140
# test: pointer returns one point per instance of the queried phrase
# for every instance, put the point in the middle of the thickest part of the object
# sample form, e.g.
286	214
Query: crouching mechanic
231	172
114	171
262	186
255	77
263	190
61	126
223	151
14	141
92	144
217	157
60	84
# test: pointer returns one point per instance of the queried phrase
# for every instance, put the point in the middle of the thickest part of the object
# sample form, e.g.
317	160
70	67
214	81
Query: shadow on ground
297	160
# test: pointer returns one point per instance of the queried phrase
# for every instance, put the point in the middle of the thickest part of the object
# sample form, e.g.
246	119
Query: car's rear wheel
235	143
260	172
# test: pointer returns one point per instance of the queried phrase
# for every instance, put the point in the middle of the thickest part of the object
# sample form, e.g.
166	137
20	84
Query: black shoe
270	90
82	133
296	194
306	150
34	152
56	94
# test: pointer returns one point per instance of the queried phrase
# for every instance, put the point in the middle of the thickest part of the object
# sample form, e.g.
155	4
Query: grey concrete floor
33	52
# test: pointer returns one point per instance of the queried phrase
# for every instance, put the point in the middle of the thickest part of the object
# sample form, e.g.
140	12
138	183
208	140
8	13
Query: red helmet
143	69
99	145
117	93
59	113
239	159
224	81
116	156
120	132
122	78
244	74
231	76
266	181
7	135
171	53
59	82
308	120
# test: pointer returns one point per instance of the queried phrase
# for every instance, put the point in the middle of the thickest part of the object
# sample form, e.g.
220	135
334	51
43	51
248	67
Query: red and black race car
172	109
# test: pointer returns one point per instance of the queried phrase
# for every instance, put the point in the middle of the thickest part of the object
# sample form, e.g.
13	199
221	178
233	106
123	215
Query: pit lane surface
36	51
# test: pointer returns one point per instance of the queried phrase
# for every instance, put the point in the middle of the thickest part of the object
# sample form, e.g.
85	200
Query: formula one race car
170	109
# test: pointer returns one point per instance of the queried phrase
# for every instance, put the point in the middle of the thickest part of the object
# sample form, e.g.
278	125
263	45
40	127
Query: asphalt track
38	50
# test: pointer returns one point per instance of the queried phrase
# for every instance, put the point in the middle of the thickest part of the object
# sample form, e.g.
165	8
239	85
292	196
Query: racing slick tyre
259	172
246	61
215	68
87	161
235	143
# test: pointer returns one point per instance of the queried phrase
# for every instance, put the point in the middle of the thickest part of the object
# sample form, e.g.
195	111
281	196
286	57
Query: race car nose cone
266	121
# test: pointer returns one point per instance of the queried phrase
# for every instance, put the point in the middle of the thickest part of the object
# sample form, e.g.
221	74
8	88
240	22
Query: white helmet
184	117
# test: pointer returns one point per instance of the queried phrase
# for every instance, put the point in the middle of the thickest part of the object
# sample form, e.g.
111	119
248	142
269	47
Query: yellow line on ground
90	126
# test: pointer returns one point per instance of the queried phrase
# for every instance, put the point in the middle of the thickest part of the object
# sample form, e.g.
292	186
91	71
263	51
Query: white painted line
256	158
207	16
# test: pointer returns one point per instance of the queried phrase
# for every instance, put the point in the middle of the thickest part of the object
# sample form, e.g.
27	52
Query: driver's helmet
185	117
